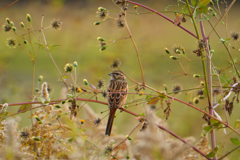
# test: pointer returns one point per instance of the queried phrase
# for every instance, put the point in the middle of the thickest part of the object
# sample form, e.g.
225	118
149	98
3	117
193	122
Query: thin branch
152	10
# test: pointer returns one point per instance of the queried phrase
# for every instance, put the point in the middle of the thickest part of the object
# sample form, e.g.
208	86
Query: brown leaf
178	19
153	100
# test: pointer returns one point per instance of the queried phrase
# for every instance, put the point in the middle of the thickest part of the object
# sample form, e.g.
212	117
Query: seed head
68	67
97	23
196	100
100	83
11	43
14	29
8	20
104	94
173	57
100	39
75	64
115	64
11	23
24	134
40	78
167	51
200	92
22	24
120	23
85	82
56	24
7	27
177	88
196	75
177	49
97	121
102	13
29	19
234	36
103	48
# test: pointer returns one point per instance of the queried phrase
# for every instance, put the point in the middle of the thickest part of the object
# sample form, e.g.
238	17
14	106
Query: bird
118	83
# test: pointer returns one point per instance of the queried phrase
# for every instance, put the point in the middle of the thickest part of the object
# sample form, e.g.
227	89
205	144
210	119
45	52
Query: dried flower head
11	43
120	23
115	64
24	134
68	67
108	150
100	83
104	94
97	121
196	100
200	92
234	35
102	13
177	49
177	88
56	24
45	94
198	52
7	27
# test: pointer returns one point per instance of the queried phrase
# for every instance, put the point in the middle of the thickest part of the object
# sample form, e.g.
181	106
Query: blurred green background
78	42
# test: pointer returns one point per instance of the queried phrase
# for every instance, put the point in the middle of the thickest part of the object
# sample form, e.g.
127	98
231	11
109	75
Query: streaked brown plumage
118	83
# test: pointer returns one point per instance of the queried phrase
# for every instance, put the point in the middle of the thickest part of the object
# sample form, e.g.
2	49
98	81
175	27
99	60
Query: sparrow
118	83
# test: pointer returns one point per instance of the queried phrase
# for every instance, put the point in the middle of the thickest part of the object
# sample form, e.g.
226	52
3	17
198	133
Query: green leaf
193	2
207	129
212	153
235	141
185	9
203	3
224	78
237	124
63	77
71	139
162	95
24	107
214	122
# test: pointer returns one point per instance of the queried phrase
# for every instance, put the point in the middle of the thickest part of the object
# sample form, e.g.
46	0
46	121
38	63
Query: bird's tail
110	123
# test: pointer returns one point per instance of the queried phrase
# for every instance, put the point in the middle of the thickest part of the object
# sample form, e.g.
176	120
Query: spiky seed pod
11	43
56	24
45	94
7	27
68	67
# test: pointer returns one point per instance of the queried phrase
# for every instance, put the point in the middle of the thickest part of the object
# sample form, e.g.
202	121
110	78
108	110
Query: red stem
176	136
152	10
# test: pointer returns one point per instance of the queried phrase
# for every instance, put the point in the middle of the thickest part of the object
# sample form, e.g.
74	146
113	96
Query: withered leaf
24	107
153	100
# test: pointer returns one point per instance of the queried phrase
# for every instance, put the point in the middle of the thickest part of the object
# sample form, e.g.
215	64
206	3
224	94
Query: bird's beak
110	74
